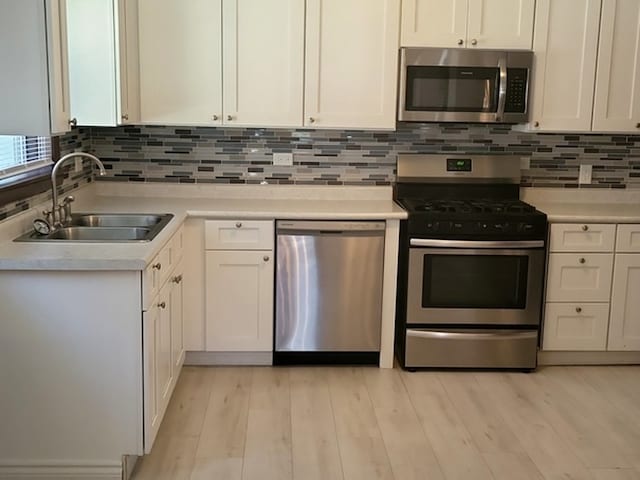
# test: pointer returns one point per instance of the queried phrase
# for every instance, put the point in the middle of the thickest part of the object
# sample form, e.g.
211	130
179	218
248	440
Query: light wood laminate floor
355	423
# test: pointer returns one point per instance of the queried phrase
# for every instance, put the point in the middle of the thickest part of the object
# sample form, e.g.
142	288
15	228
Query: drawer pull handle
582	260
578	309
162	305
157	266
265	258
239	225
585	228
177	279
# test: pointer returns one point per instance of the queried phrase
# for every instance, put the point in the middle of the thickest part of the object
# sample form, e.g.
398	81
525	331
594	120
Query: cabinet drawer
576	326
628	238
575	277
238	235
582	237
157	272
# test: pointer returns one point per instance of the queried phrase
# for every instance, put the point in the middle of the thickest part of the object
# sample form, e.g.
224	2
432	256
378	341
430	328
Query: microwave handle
502	93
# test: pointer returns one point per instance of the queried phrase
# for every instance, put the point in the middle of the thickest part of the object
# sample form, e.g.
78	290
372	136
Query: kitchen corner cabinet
180	62
239	286
103	61
587	71
33	55
351	61
506	24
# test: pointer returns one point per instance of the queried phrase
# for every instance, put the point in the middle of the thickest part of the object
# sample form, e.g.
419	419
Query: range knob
526	228
500	227
433	226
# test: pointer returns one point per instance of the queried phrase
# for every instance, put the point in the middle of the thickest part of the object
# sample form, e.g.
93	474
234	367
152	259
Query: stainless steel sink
105	228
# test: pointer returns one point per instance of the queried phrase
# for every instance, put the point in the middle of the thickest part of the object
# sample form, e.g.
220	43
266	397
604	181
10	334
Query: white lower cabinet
579	277
576	326
163	338
624	327
239	302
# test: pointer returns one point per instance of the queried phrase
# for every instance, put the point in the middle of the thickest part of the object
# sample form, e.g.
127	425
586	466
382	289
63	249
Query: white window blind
19	154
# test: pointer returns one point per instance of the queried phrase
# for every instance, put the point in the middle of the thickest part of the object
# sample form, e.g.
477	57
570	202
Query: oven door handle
417	242
473	335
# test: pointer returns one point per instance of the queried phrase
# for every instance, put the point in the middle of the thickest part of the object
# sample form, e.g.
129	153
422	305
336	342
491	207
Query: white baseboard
588	358
60	472
228	358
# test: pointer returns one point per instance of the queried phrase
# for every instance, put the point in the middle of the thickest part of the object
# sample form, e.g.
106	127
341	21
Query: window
19	154
25	166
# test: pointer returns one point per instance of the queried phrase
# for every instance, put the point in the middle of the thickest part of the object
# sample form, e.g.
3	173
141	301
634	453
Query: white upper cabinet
180	62
263	62
501	24
34	79
565	44
103	61
434	23
504	24
351	63
617	95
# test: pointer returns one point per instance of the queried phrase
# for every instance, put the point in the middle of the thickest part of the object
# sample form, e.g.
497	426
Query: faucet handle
68	199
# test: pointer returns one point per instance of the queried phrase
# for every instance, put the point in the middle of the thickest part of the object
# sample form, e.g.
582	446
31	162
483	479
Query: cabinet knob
214	117
177	278
536	124
460	41
585	228
73	122
578	309
229	118
582	260
638	125
238	224
474	42
125	116
312	120
162	305
157	266
265	258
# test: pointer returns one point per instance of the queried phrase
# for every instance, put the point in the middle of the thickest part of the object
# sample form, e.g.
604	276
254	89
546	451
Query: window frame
27	184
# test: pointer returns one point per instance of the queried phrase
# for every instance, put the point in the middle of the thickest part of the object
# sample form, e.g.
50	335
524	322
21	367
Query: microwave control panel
516	90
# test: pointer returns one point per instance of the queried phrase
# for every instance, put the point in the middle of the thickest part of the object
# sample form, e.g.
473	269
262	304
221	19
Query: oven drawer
471	348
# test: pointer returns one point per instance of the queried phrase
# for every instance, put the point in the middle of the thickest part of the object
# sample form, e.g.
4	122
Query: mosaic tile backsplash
342	157
76	140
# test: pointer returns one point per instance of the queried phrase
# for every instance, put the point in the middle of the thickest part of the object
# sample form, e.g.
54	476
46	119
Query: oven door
475	283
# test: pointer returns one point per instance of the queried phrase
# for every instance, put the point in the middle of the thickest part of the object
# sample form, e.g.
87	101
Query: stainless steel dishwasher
328	291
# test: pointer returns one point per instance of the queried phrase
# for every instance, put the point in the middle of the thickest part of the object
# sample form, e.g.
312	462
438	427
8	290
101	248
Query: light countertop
345	203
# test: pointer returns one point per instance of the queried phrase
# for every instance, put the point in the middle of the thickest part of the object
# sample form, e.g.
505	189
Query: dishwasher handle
284	227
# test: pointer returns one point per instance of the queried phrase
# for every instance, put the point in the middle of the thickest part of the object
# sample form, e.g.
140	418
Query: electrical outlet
585	174
525	163
78	164
283	159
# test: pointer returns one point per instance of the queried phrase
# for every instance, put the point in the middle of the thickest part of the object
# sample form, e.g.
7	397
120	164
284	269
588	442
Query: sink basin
106	228
100	234
116	220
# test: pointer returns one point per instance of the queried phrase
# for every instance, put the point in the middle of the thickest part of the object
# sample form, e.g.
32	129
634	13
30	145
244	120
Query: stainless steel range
471	267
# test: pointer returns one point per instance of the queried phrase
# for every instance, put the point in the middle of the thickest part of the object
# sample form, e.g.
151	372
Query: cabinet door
565	64
624	324
152	406
617	98
239	301
579	277
501	24
129	71
351	63
263	62
573	327
177	320
434	23
33	75
92	61
180	61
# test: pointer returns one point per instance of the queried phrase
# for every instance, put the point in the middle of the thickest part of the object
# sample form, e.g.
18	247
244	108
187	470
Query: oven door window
452	89
474	281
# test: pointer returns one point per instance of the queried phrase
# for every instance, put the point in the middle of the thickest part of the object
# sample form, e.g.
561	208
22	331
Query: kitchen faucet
55	216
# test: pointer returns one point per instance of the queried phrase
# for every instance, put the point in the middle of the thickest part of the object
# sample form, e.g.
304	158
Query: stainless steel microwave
464	85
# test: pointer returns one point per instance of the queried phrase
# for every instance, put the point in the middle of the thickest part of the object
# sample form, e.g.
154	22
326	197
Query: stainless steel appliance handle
502	94
467	335
329	226
416	242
